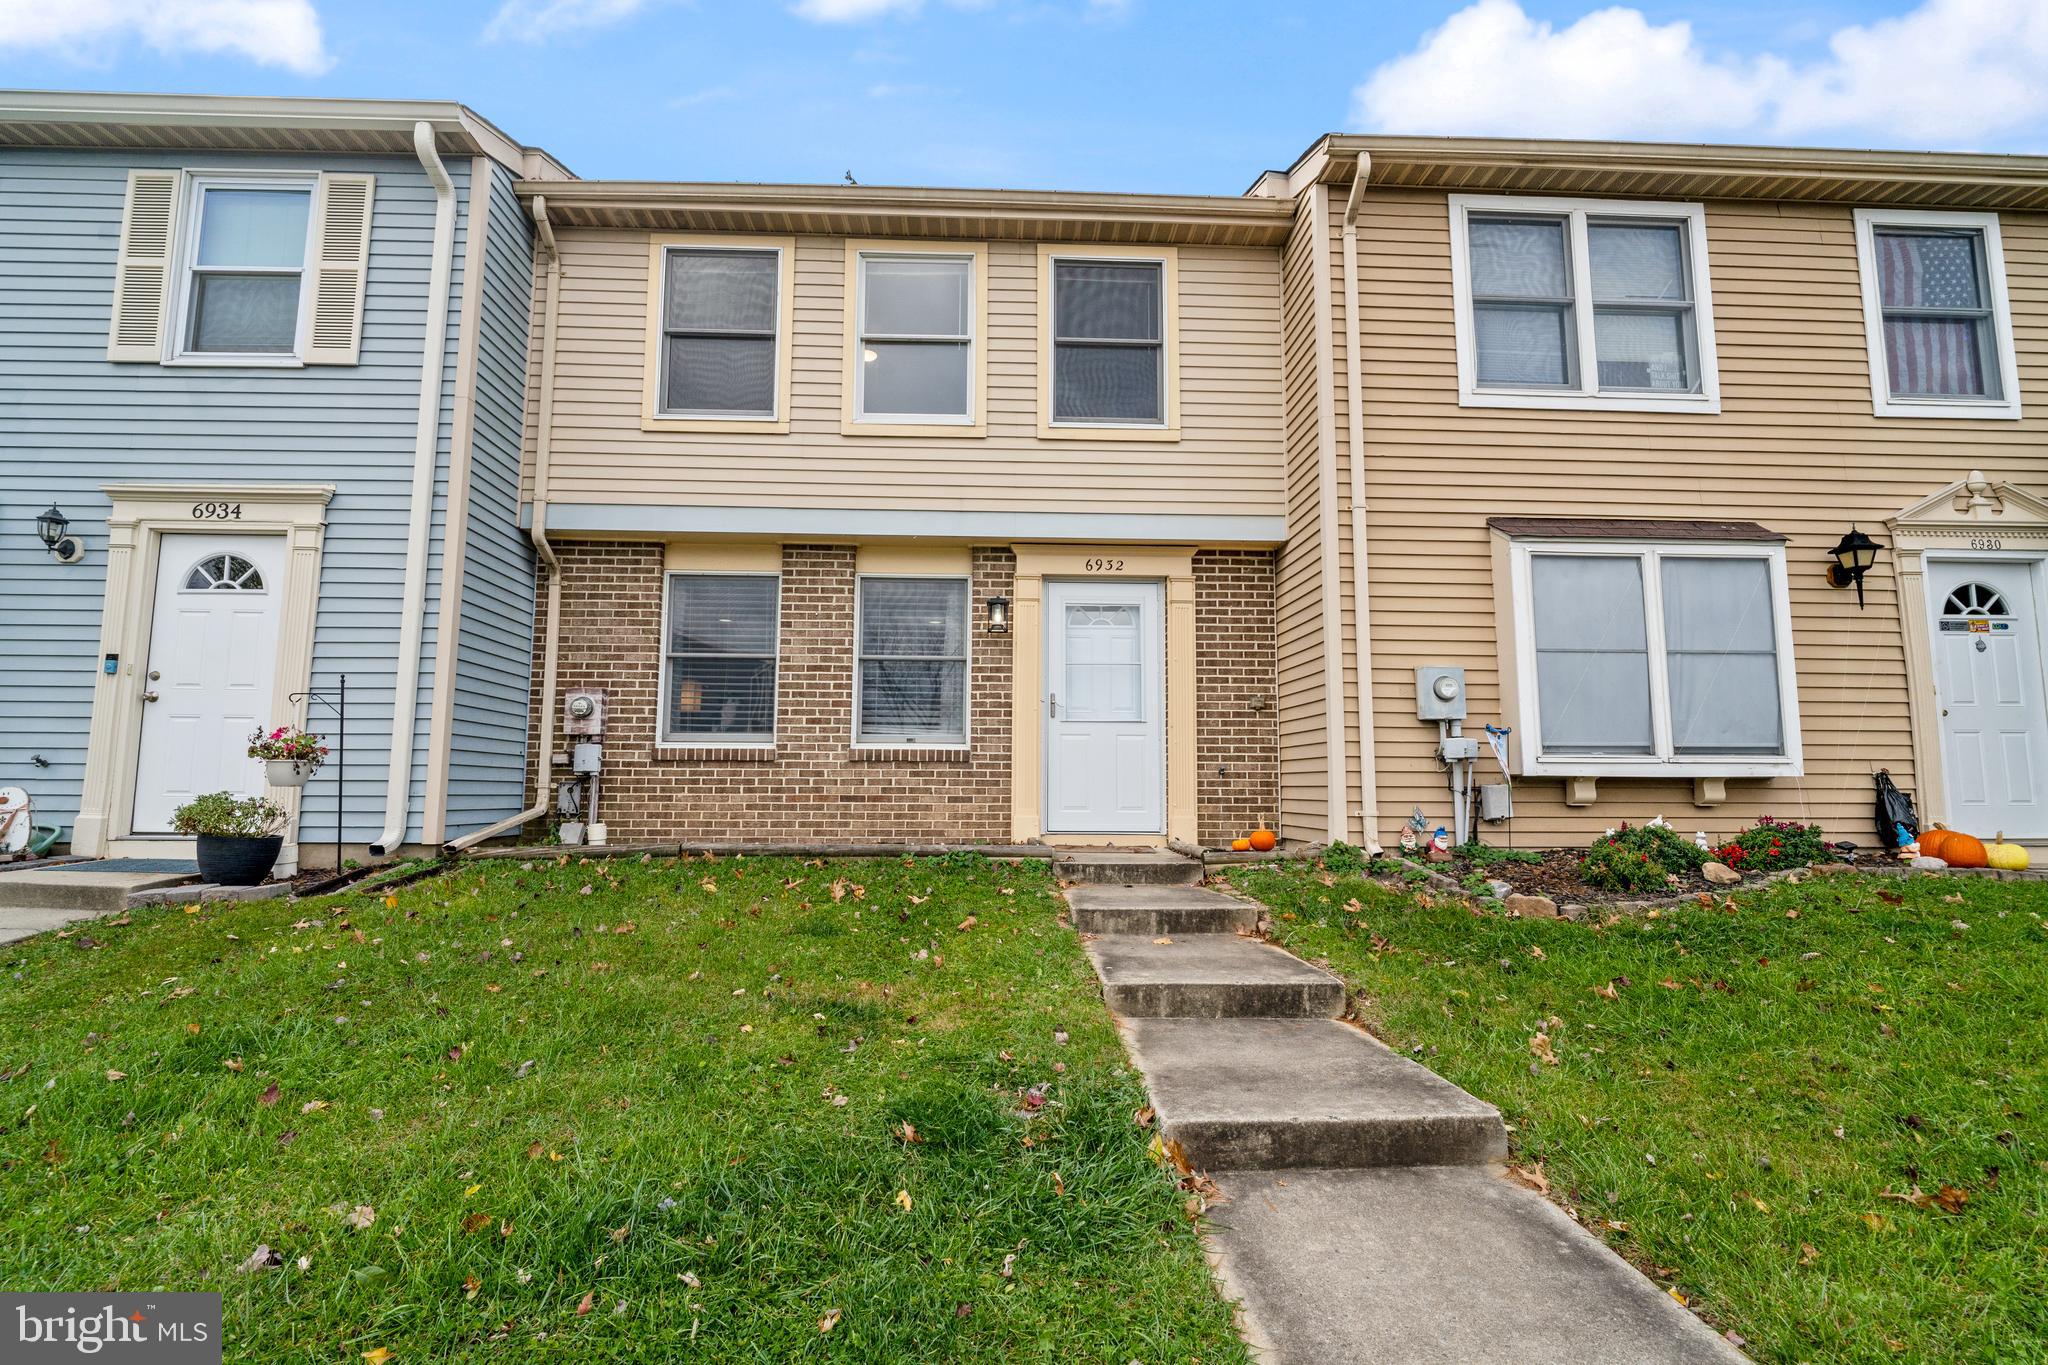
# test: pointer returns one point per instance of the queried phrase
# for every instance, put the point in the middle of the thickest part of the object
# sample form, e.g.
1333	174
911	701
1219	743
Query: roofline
199	113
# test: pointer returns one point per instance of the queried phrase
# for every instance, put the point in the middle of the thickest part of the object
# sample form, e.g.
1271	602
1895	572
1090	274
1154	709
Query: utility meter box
583	711
1496	802
1439	692
587	757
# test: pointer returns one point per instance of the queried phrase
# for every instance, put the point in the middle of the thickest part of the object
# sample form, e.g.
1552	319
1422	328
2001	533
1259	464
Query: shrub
1773	845
223	815
1343	858
1641	858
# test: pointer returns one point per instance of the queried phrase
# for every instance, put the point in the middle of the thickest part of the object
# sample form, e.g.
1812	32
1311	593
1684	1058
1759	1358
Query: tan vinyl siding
1298	626
1795	448
1229	461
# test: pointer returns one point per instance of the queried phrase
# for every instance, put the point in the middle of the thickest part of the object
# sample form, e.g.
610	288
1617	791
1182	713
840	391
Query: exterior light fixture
1854	555
999	616
50	530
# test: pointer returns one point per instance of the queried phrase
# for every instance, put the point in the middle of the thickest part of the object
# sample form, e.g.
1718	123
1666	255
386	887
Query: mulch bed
1557	877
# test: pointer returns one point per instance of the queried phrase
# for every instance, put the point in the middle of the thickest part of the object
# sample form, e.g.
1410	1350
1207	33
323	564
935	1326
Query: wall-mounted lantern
999	616
1854	555
50	530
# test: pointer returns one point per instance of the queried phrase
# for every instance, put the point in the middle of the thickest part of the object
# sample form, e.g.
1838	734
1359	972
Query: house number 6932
1984	543
1105	566
216	511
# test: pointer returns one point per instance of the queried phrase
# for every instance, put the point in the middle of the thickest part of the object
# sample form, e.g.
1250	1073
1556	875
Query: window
915	338
245	270
1974	599
720	340
1934	308
224	573
911	670
1640	659
1109	328
1582	304
720	661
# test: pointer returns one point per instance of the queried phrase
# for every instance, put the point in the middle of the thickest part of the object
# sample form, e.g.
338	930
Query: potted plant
238	836
290	755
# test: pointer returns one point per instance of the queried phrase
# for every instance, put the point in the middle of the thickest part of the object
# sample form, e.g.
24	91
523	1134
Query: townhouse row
1706	475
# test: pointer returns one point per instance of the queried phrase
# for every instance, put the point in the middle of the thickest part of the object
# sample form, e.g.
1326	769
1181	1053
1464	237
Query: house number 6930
1105	566
216	511
1984	543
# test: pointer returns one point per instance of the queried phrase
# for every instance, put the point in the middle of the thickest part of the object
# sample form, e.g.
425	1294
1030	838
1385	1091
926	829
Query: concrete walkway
1365	1214
37	899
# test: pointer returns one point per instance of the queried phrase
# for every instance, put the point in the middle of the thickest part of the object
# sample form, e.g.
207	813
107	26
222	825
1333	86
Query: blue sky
1159	95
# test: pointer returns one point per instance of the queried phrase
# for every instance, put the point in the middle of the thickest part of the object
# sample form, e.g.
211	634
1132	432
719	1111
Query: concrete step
1434	1264
1211	976
83	890
1157	910
25	921
1111	867
1290	1093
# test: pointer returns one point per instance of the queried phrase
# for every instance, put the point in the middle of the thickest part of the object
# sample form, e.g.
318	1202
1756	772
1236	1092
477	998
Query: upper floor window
1568	303
1647	657
245	270
915	337
1109	327
720	319
1935	312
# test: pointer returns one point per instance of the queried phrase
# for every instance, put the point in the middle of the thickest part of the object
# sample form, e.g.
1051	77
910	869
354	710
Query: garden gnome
1440	845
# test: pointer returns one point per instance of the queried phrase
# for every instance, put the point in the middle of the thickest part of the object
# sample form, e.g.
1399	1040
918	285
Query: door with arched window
1988	684
211	662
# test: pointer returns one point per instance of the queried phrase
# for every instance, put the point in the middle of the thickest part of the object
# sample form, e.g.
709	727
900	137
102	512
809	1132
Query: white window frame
197	182
966	740
1587	396
1167	261
1882	404
971	416
1662	762
779	340
663	739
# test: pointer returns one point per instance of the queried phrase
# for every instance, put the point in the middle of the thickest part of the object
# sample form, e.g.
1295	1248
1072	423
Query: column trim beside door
1172	565
136	525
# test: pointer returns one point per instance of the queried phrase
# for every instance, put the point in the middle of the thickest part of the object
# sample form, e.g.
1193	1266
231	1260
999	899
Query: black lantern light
1854	555
999	616
50	530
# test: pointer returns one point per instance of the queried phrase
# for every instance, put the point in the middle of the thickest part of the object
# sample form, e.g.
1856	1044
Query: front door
1987	681
1105	730
212	656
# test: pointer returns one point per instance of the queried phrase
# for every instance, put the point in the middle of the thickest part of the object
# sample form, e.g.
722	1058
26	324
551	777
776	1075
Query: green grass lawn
720	1110
1738	1114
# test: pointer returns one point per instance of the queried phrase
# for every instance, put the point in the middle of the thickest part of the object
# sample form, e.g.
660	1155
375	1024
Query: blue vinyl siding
70	421
494	648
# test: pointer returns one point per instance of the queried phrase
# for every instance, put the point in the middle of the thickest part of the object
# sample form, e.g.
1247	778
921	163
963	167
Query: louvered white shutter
341	261
142	271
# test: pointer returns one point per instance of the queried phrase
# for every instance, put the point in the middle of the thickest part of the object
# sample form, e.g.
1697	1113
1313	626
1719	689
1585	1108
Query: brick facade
1236	729
813	784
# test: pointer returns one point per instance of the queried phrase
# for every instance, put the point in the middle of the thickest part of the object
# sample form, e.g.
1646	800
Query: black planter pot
236	862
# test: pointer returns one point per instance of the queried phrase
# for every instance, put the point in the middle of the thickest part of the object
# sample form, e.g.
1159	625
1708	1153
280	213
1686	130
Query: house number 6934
216	511
1105	566
1984	543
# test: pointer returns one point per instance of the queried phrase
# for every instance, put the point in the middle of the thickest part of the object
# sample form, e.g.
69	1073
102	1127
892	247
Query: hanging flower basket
290	755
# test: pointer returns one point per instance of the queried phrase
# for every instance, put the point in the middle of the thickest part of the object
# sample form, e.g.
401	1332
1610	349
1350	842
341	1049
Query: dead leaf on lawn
1532	1176
1917	1197
583	1304
1143	1118
1876	1222
1607	992
377	1355
621	1232
1539	1047
312	1106
964	925
1808	1253
117	1075
475	1222
361	1216
269	1096
829	1320
533	1151
906	1133
470	1285
1951	1198
903	1200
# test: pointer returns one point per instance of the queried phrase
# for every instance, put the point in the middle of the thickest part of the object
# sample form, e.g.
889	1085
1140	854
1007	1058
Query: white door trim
1152	592
140	516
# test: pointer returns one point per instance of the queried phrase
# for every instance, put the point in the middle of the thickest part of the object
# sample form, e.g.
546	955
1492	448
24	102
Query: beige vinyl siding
1229	461
1795	448
1298	622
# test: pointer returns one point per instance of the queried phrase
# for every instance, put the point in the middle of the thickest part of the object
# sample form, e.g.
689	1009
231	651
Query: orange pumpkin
1240	845
1264	840
1932	840
1964	850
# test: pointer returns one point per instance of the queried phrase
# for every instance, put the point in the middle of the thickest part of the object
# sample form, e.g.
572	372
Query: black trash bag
1894	812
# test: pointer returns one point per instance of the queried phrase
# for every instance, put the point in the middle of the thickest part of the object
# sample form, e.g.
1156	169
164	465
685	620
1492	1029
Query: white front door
1988	683
212	655
1105	729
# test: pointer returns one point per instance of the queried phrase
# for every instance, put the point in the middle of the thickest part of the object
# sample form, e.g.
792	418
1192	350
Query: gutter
412	621
1361	597
544	441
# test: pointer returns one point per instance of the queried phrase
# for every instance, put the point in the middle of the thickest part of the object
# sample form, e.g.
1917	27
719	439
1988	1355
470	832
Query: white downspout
1361	605
544	434
412	621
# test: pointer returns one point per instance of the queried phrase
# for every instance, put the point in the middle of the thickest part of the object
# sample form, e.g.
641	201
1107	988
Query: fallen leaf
1532	1176
312	1106
1673	1292
831	1318
1539	1047
964	925
1808	1253
262	1258
621	1232
583	1305
475	1222
1951	1198
361	1216
903	1200
268	1097
233	1063
533	1151
906	1133
1143	1117
377	1355
1875	1222
470	1284
117	1075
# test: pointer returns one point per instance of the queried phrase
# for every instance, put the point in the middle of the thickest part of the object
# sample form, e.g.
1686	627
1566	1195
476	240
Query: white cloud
533	21
282	33
1948	71
852	11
